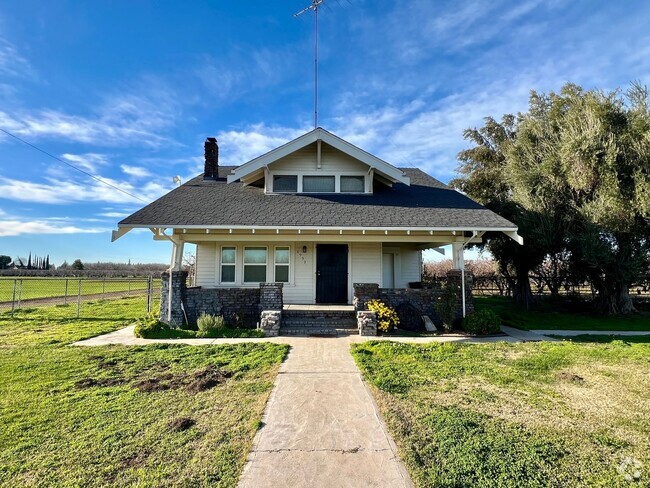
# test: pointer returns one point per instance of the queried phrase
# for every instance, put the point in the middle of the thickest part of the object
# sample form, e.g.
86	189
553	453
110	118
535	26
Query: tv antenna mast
315	5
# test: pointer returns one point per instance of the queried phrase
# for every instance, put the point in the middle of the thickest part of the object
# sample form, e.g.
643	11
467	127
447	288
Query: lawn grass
556	316
511	415
33	288
159	415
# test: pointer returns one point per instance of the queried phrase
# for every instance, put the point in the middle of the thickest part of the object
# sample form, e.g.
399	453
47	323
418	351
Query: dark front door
331	273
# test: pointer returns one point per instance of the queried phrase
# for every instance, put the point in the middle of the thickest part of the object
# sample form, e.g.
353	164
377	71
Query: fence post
13	299
65	294
129	287
79	298
104	287
149	293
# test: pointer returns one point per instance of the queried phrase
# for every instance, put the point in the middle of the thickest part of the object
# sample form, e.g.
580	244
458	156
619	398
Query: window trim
265	265
287	265
221	265
367	178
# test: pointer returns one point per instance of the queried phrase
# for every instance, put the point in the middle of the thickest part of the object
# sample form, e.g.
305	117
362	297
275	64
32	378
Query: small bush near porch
160	415
510	415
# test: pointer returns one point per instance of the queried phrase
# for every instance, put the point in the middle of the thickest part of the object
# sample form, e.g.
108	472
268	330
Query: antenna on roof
315	4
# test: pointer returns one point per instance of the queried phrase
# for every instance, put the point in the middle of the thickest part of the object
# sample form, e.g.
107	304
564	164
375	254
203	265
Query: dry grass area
543	414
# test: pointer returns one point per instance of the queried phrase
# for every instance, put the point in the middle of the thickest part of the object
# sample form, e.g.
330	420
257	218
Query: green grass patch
158	415
602	339
555	315
224	332
503	414
33	288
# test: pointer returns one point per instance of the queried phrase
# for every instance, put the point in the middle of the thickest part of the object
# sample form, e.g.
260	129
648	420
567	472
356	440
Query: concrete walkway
321	426
524	335
569	333
125	337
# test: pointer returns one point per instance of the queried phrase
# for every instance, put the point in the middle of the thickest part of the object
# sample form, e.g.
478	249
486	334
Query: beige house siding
305	160
365	266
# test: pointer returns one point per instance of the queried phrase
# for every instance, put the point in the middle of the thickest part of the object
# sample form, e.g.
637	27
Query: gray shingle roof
427	203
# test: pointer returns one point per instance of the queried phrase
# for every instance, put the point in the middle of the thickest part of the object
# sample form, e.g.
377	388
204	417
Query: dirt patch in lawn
200	380
95	382
182	423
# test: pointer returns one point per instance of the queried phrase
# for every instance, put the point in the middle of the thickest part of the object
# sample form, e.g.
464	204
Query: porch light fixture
304	249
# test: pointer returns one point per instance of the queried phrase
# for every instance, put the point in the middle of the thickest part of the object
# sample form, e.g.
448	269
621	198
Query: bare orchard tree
189	265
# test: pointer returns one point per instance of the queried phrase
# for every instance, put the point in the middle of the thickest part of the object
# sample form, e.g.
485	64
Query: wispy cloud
135	171
60	191
11	62
16	227
137	115
239	146
88	161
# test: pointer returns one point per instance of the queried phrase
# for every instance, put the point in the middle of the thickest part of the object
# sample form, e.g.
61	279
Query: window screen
254	264
353	184
318	184
282	264
285	183
228	260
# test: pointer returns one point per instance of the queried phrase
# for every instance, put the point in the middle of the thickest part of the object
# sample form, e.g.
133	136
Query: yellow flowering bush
387	318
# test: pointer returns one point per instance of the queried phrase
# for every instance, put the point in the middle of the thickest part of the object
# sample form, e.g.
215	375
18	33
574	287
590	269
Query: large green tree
573	173
484	176
587	154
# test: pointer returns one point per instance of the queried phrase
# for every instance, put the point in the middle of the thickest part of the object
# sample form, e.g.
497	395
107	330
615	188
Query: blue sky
129	91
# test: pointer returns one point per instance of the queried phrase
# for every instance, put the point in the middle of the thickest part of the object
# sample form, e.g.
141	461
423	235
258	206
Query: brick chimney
211	159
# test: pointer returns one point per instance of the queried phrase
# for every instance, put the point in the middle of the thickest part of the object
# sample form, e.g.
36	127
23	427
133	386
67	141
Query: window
318	184
285	183
281	262
353	184
254	264
228	260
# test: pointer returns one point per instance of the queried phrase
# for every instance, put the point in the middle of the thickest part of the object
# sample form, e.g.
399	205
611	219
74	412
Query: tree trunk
522	292
624	301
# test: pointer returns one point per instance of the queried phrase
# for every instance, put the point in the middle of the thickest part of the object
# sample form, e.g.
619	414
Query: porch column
458	262
458	255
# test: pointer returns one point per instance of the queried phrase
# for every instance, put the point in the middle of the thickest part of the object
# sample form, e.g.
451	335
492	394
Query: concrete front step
337	324
307	331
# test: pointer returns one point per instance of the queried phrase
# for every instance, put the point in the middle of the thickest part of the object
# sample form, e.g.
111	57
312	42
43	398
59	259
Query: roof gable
380	166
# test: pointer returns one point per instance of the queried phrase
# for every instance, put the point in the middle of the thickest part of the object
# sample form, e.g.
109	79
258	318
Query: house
315	221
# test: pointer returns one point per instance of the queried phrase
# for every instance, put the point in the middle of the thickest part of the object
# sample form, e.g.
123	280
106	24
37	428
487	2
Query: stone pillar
271	296
177	295
270	321
367	323
454	279
364	292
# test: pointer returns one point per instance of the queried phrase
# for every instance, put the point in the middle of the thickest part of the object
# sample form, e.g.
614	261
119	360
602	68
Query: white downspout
172	265
459	259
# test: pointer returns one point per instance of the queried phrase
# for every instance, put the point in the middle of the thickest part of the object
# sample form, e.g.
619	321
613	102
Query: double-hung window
281	263
255	264
228	260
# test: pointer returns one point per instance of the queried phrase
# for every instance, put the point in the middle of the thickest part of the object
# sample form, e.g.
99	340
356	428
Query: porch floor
319	308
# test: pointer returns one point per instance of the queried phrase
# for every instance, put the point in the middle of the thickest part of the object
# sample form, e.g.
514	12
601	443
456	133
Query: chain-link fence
71	295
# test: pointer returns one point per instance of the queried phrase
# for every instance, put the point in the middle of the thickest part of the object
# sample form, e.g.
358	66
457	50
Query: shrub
482	322
149	326
446	306
207	322
387	318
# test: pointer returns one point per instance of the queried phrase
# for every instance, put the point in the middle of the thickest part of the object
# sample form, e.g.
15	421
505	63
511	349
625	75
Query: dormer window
353	184
320	183
285	183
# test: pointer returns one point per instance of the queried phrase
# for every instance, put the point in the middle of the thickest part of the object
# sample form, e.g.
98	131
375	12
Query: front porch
263	307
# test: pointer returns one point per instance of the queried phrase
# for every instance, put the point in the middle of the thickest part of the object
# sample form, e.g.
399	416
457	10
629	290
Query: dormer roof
387	170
